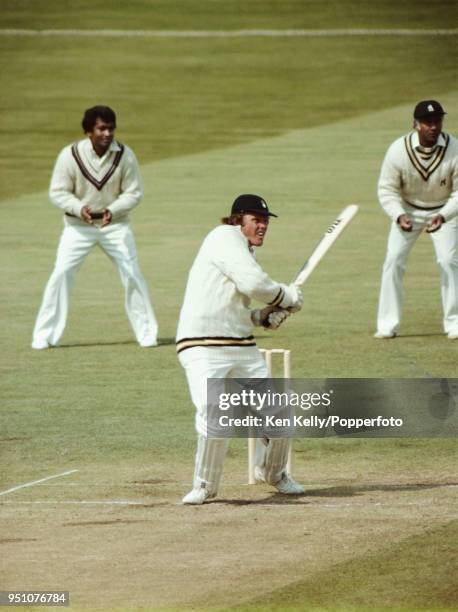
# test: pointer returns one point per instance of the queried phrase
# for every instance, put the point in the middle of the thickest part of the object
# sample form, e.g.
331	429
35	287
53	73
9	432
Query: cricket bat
323	246
326	242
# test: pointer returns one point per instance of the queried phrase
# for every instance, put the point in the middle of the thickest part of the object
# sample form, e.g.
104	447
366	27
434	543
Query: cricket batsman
215	334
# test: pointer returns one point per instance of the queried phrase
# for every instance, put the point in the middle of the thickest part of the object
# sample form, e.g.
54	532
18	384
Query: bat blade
328	239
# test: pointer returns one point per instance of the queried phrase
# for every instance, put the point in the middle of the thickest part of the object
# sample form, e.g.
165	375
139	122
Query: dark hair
97	112
235	219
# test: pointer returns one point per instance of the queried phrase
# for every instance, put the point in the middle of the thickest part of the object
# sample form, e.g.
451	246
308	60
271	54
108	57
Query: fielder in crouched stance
96	183
214	338
418	189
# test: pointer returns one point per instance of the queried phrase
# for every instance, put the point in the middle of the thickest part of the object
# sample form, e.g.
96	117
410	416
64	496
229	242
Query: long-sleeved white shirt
223	279
426	179
82	178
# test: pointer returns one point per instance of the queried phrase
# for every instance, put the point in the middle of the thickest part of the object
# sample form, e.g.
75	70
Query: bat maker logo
336	223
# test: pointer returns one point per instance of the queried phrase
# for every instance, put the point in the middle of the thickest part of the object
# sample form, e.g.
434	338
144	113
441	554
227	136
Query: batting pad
276	459
209	463
260	452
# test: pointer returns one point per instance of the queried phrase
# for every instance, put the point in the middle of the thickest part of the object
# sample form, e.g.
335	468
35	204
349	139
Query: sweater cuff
448	214
397	212
76	209
278	297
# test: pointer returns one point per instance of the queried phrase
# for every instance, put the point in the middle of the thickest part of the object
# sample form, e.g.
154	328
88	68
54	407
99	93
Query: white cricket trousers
201	363
117	240
399	245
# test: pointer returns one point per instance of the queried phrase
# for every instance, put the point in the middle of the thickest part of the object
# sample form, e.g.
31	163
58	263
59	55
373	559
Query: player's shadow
355	490
343	491
436	335
160	342
275	499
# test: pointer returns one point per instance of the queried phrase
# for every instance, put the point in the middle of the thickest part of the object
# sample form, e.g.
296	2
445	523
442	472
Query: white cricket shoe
453	335
148	342
382	335
39	345
288	486
196	496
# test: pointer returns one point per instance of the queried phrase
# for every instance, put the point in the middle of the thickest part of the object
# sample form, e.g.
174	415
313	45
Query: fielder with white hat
418	189
214	337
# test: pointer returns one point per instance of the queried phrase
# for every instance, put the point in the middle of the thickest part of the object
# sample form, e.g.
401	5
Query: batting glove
293	298
275	319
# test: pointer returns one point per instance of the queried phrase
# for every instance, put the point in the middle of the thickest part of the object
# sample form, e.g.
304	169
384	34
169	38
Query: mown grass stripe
338	32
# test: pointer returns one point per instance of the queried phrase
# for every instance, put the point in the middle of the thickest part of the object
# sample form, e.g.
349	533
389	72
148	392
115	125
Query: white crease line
107	503
233	33
34	482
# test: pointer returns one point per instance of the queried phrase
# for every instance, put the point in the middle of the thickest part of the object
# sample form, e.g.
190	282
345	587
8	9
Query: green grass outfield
177	96
304	122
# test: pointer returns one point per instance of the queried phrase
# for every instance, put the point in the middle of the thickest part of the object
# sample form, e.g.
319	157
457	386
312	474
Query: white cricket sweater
223	279
427	179
82	178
